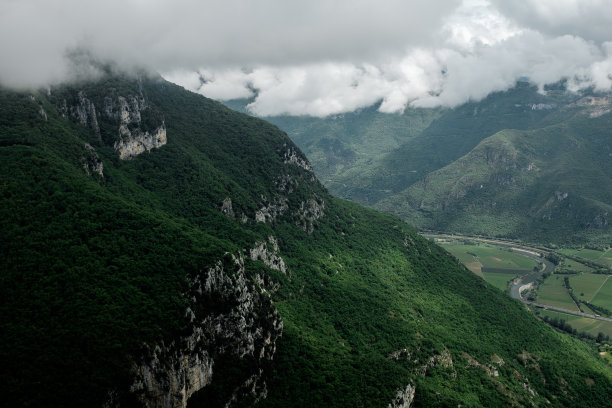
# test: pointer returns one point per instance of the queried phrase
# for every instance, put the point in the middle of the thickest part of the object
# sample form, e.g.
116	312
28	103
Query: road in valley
524	282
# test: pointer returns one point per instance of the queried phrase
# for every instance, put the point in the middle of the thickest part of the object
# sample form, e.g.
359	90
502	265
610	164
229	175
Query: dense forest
221	247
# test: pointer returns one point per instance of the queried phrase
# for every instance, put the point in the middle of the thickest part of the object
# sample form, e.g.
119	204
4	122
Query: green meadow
497	266
552	292
588	285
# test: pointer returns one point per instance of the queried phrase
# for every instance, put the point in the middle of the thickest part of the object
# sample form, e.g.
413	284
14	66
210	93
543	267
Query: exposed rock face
285	184
269	256
132	139
443	359
43	114
226	207
135	142
91	162
84	111
594	101
404	397
168	379
229	314
309	212
291	156
270	211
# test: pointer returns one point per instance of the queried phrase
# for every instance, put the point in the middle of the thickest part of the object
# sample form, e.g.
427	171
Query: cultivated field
601	257
552	292
586	286
496	266
603	297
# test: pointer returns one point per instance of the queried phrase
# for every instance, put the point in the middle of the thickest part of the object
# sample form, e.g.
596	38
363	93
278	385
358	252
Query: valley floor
547	288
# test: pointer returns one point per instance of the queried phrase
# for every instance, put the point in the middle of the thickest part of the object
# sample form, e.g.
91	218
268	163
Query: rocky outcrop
271	210
309	212
226	207
404	397
228	314
291	156
91	162
594	101
489	369
285	184
125	111
43	114
85	112
135	142
267	252
444	359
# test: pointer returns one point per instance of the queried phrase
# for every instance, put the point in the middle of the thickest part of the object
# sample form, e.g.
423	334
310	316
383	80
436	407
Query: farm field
586	286
496	266
552	292
581	324
602	257
571	265
603	298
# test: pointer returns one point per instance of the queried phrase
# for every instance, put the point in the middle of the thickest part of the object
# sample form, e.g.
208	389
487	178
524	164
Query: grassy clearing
586	286
552	292
581	324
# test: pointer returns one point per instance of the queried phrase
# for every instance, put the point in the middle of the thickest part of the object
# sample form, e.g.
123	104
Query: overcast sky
317	57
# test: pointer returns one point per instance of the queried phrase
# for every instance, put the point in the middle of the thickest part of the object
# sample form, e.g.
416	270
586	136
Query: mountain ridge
389	176
215	269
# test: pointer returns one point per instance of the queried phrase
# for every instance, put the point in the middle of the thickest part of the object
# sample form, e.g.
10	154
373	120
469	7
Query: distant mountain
162	250
427	165
549	184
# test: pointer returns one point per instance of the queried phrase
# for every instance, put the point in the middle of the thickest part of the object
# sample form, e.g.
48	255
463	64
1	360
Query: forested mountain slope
398	163
551	184
160	249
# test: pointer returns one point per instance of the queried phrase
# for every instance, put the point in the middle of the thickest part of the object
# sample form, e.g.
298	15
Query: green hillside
552	184
161	249
427	165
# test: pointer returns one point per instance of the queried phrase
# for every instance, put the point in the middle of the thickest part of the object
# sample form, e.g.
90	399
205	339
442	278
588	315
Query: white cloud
318	57
188	34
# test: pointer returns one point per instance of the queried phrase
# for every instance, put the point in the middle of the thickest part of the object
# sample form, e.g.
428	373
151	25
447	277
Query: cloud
317	57
422	78
35	35
588	19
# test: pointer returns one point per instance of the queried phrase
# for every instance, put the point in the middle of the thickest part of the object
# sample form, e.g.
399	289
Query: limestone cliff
229	314
91	161
126	114
403	398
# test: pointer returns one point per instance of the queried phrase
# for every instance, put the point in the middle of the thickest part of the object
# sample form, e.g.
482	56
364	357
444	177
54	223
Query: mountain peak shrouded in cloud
318	57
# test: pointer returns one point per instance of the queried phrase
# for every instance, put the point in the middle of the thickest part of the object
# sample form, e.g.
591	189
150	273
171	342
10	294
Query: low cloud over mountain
317	58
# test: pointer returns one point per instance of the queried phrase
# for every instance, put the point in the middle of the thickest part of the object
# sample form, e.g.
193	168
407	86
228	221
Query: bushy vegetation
95	268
